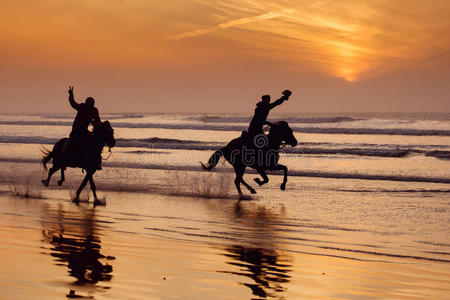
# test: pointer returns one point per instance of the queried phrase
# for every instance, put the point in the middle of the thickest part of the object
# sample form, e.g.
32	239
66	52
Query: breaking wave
307	149
301	120
292	172
228	127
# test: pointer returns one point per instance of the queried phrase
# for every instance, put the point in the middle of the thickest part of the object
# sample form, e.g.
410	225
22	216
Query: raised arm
277	102
72	101
283	98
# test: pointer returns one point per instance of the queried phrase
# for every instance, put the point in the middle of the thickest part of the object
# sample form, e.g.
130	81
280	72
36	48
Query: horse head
282	130
106	132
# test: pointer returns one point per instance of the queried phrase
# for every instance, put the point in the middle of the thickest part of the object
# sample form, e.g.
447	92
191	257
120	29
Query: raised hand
70	90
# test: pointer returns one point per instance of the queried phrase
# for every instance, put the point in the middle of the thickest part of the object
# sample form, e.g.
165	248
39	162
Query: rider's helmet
90	101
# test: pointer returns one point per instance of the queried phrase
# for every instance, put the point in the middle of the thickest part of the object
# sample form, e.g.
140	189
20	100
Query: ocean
396	147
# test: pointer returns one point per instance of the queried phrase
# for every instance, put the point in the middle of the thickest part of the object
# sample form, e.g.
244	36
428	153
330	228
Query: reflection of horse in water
75	242
256	258
263	266
262	153
83	258
89	157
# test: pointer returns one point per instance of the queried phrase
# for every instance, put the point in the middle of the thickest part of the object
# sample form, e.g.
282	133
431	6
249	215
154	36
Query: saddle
73	151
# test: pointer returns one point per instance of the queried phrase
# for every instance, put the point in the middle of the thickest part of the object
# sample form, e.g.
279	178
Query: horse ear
107	123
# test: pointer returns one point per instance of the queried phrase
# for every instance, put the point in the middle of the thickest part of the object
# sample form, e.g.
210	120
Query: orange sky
215	56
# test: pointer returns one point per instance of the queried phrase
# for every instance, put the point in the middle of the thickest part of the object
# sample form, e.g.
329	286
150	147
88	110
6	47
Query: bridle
268	127
109	153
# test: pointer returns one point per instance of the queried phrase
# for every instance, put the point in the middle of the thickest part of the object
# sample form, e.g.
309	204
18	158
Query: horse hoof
45	182
98	202
283	186
252	191
258	181
76	199
60	182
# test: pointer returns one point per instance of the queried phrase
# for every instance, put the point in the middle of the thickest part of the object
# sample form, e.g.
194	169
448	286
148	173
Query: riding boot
99	165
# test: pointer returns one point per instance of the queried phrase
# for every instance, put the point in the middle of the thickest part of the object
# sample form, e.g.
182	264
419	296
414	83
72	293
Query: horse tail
213	160
48	155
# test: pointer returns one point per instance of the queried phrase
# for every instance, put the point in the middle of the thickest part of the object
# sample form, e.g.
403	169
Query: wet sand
156	245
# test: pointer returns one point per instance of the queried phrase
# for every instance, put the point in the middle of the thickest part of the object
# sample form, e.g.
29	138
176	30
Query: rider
87	113
261	112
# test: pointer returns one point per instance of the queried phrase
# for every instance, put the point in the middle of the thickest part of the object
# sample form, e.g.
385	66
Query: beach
364	215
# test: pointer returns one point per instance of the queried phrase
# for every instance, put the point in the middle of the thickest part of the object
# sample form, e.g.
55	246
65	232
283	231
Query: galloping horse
89	157
262	155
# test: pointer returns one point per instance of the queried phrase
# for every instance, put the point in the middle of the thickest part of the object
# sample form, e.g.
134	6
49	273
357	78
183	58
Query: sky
221	56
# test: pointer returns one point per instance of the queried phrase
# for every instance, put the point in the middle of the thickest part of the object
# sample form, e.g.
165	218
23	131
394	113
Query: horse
90	150
262	154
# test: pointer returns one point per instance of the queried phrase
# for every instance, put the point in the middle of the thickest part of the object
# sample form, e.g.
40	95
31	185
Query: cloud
233	23
344	39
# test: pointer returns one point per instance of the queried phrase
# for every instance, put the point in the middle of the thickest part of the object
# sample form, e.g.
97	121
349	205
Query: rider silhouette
87	113
261	112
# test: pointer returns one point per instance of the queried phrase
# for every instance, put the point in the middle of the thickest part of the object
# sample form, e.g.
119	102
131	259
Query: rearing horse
264	155
89	153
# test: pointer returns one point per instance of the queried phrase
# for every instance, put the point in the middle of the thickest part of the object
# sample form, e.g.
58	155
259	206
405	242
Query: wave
297	129
156	142
166	143
356	151
319	174
439	154
370	176
27	140
301	120
394	190
296	173
125	116
377	131
106	116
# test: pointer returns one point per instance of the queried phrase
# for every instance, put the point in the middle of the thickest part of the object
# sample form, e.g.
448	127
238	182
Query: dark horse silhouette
89	157
262	155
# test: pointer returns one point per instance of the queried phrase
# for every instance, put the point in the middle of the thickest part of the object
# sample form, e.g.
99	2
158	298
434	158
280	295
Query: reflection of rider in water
262	111
87	113
75	239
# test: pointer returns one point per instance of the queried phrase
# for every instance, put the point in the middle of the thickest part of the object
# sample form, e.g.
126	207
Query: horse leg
60	182
252	190
239	170
237	182
93	188
240	177
82	185
285	170
263	175
52	170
